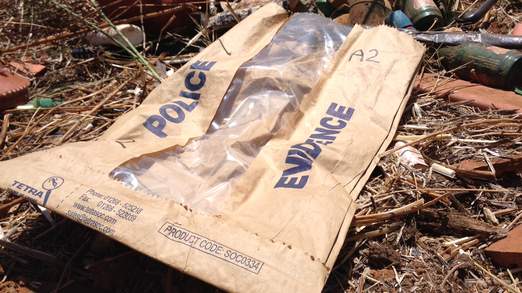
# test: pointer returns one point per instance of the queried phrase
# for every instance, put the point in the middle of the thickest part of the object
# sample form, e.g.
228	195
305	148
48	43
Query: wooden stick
5	207
464	246
438	197
514	222
450	272
398	212
497	279
504	212
3	132
37	254
376	233
229	7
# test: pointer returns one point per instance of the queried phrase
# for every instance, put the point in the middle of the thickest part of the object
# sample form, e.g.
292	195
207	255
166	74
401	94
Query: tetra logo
52	183
49	185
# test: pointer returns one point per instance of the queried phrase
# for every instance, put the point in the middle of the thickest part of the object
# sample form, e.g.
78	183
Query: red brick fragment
474	94
507	252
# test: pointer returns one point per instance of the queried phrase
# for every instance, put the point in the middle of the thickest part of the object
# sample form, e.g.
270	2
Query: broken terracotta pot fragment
13	89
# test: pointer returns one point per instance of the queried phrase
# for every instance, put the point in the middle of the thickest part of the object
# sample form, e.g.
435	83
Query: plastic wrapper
265	92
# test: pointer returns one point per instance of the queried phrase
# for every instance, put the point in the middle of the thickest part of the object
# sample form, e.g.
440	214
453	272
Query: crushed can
423	13
491	66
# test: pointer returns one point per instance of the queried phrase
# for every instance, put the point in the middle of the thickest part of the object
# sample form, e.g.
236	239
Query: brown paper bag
241	169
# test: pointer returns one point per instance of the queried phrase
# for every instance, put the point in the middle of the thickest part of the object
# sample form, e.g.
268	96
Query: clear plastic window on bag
264	94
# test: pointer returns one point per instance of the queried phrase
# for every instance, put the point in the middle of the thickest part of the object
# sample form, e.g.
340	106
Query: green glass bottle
491	66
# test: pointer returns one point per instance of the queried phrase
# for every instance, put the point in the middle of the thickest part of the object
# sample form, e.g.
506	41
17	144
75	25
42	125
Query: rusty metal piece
13	89
508	251
367	12
474	94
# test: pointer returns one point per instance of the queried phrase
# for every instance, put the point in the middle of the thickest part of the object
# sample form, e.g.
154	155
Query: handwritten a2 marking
361	56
